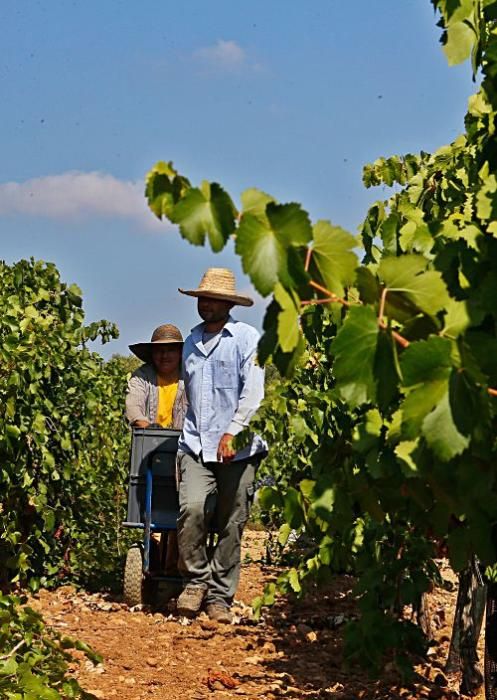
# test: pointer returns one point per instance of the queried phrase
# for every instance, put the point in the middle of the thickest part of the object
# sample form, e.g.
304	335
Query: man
224	387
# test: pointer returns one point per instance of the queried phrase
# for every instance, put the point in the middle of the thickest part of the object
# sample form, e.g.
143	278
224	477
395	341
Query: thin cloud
223	55
76	195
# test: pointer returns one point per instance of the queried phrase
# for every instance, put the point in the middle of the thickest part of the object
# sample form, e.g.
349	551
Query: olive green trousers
216	498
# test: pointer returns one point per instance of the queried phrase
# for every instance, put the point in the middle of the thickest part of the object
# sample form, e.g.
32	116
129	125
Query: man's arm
251	395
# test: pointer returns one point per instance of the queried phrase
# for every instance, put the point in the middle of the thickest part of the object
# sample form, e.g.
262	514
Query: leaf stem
13	651
308	259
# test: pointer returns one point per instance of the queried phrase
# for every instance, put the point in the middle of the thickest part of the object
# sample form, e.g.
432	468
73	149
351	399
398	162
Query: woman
156	393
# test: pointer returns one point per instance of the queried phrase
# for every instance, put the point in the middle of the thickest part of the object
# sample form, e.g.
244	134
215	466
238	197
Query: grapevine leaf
263	256
293	580
207	210
440	432
262	243
368	285
404	451
459	41
324	497
367	432
288	317
292	509
354	349
269	339
333	256
307	487
385	370
164	187
456	319
287	362
290	223
408	275
425	360
270	497
419	403
425	367
469	405
284	533
254	201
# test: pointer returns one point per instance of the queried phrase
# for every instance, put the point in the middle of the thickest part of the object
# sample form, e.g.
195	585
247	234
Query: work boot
219	613
190	600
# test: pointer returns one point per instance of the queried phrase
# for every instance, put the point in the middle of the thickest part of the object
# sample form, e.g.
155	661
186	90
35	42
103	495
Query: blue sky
289	96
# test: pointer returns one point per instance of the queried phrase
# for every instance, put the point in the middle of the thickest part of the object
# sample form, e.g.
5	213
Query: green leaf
288	318
408	275
458	43
207	210
418	404
290	223
284	534
425	360
299	427
440	431
292	509
255	201
385	370
333	256
270	497
294	581
456	319
164	188
404	451
324	498
8	667
367	432
264	256
354	349
262	243
426	367
306	486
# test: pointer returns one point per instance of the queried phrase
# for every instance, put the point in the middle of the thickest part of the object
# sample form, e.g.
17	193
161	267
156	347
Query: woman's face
167	358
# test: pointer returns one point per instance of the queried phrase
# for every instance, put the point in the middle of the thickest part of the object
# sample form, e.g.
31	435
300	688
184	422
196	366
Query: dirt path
295	653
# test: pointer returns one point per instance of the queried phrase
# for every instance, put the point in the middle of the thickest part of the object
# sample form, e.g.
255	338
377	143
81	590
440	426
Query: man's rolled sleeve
251	394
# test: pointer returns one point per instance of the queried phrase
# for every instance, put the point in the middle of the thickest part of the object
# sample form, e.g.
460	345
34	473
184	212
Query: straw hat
218	283
166	334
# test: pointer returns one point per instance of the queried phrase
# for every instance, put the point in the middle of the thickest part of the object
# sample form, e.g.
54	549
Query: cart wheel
491	643
133	577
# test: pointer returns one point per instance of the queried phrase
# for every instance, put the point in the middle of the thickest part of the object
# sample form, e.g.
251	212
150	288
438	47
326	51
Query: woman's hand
141	424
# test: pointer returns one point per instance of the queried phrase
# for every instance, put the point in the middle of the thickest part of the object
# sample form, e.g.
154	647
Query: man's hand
225	451
141	424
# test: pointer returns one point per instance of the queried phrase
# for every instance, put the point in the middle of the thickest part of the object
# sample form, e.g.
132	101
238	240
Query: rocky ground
295	652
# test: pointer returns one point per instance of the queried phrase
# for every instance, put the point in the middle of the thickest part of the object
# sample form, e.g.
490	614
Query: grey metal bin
156	448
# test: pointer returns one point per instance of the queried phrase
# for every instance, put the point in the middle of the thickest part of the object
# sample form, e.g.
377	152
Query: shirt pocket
225	375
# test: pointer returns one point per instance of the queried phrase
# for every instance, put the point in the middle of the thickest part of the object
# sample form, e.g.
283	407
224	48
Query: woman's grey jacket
142	398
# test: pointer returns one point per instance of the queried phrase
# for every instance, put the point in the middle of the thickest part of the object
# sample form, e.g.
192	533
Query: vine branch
334	298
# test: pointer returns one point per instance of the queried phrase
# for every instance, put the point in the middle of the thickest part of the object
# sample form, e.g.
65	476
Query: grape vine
63	440
389	416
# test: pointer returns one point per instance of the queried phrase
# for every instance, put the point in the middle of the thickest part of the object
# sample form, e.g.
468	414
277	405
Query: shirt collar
197	332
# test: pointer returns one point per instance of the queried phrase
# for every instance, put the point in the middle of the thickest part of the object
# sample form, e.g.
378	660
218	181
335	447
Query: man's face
213	310
166	358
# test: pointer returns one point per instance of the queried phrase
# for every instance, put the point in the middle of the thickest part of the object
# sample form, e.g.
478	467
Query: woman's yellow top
167	395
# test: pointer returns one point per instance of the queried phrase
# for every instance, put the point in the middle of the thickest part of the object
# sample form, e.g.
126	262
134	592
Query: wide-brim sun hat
219	283
167	334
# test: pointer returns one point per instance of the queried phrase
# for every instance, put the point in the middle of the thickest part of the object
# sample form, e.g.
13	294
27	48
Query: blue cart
153	508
